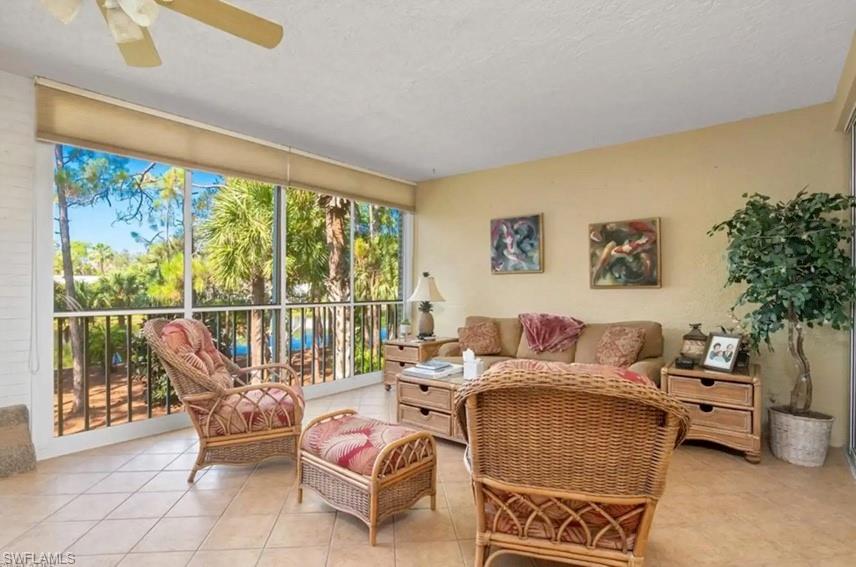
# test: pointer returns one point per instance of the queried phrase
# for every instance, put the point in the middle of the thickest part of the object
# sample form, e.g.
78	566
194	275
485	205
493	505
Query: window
120	244
234	230
118	232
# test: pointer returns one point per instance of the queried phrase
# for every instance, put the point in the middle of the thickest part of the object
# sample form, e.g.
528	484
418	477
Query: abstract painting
517	245
625	253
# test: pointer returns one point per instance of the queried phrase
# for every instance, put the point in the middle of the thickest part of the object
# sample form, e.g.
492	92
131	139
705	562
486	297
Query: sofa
514	345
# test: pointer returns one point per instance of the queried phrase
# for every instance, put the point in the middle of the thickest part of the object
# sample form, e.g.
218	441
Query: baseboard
329	388
851	458
58	446
67	444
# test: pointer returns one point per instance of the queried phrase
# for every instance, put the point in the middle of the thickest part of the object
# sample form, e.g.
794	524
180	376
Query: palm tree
238	237
101	253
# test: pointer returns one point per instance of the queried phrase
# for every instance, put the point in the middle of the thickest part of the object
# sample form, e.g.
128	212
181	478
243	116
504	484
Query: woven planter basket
800	440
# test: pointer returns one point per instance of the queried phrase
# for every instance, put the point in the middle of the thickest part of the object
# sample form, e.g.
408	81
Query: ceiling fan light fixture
121	25
142	12
63	10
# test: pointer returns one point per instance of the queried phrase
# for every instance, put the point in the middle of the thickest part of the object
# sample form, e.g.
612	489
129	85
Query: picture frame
517	244
721	352
625	254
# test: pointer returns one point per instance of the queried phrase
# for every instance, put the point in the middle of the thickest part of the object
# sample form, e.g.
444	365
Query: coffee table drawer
401	353
424	418
720	418
423	395
708	389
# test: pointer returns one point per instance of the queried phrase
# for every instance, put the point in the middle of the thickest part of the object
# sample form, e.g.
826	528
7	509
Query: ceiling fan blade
230	19
63	10
139	53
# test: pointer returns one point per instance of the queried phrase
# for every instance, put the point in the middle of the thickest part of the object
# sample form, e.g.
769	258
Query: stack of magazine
433	369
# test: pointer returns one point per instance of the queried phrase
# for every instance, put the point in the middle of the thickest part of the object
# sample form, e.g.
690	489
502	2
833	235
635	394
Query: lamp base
426	324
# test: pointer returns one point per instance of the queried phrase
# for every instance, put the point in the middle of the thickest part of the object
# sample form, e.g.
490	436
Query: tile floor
129	505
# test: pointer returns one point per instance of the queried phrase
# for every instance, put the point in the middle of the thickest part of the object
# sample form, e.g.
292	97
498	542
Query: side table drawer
425	419
401	353
720	418
423	395
395	366
711	390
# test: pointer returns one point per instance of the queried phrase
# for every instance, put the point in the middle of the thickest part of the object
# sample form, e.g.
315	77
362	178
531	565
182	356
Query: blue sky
97	223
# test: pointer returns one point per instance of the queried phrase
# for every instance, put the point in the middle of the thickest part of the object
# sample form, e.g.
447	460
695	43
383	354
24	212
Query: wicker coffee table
427	403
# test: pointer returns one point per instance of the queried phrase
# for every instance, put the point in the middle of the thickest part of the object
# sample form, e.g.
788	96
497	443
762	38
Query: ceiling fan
129	22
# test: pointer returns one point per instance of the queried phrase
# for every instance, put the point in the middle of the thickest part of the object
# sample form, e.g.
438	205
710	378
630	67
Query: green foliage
238	235
307	256
377	252
792	257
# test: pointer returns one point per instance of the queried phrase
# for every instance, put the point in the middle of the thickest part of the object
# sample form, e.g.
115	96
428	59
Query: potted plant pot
404	329
800	439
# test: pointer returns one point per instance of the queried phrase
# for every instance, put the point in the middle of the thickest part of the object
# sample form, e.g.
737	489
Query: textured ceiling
427	88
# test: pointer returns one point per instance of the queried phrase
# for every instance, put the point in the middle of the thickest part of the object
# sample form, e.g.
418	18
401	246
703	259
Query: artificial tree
793	258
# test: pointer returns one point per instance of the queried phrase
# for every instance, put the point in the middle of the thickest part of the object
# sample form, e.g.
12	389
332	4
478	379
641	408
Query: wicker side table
725	407
404	471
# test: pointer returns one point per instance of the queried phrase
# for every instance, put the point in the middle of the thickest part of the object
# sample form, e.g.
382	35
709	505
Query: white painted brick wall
17	158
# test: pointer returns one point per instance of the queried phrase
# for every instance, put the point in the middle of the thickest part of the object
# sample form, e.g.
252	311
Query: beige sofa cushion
586	351
510	330
523	351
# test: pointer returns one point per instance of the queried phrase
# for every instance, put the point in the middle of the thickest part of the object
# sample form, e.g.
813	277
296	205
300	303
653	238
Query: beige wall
691	180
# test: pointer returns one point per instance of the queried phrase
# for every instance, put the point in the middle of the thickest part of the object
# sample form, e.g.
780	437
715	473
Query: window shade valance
71	116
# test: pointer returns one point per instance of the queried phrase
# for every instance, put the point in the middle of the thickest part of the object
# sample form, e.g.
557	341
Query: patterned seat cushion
352	442
191	340
562	520
261	409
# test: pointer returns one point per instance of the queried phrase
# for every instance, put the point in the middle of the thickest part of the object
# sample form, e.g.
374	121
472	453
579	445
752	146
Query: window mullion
187	217
283	276
352	294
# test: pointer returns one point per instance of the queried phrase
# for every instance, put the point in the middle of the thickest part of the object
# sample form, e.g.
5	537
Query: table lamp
426	291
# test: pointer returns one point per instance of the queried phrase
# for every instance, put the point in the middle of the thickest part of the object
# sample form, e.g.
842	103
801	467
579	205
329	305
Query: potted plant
792	258
404	328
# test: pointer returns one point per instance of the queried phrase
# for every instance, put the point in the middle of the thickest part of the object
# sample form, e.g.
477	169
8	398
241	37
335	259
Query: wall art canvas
625	253
517	245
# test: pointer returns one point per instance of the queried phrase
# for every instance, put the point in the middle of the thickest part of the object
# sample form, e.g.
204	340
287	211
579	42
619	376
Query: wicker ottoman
366	467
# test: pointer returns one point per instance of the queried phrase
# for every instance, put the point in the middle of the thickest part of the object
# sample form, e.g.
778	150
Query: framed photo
517	245
625	254
721	352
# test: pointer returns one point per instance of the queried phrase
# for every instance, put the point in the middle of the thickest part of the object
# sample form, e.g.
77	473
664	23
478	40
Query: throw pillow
482	338
620	346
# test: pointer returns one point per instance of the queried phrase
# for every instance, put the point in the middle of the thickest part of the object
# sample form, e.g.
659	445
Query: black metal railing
120	380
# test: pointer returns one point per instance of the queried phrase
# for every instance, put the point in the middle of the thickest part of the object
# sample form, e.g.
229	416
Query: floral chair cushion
191	340
562	520
262	409
352	442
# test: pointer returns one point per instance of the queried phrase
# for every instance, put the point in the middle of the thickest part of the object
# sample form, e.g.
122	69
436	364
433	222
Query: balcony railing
122	381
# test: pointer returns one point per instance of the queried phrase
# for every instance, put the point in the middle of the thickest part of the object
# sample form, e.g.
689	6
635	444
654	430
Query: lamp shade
426	290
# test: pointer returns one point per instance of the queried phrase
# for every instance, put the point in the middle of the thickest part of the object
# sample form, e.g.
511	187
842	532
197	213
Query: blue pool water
241	348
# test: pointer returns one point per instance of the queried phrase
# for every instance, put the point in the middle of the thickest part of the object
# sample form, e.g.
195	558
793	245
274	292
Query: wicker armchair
236	422
568	461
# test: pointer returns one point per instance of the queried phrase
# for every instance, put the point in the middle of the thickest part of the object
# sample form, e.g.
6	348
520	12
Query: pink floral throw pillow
482	338
619	346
